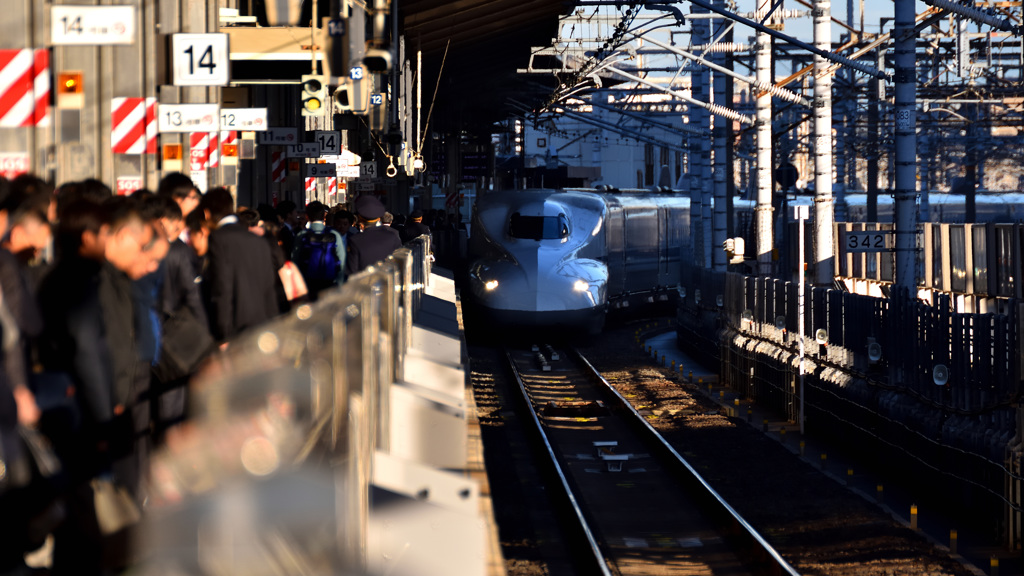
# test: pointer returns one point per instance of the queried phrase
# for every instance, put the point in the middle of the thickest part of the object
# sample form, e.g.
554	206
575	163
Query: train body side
644	240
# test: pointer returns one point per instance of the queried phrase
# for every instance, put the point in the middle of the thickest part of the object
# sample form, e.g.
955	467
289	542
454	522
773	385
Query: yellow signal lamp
70	90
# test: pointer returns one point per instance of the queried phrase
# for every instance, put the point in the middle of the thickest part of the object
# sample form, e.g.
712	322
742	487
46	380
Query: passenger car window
538	227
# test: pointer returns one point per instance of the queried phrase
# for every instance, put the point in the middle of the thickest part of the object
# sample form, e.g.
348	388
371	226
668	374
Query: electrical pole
822	149
905	38
700	151
875	98
719	227
763	212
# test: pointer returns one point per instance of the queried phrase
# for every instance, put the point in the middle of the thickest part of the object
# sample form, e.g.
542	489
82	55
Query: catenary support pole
906	143
800	214
763	212
721	168
698	155
822	149
875	99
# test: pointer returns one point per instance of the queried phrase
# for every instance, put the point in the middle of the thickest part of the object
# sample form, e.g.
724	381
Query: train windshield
538	227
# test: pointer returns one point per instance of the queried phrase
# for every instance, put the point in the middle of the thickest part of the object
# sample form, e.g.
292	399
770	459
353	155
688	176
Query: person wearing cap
375	242
415	227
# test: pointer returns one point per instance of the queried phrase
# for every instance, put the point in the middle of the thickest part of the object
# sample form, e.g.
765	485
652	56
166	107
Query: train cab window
538	227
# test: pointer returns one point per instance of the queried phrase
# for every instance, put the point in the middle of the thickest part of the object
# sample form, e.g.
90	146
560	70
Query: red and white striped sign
277	167
214	151
310	187
332	186
151	126
24	87
133	125
199	151
452	199
228	137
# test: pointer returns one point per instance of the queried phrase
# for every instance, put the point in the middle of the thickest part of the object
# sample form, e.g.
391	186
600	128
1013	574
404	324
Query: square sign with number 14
200	59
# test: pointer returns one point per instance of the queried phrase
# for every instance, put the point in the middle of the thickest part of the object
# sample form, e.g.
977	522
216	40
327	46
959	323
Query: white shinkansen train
562	258
549	258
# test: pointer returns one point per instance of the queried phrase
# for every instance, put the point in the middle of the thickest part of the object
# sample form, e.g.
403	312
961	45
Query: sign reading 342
200	59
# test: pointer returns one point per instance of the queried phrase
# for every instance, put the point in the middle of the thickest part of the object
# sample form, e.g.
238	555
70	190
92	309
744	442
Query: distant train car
551	258
944	208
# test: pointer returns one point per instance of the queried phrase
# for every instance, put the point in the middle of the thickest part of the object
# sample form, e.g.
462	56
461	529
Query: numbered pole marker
368	169
320	170
248	119
279	136
92	25
188	117
330	142
200	59
336	27
304	150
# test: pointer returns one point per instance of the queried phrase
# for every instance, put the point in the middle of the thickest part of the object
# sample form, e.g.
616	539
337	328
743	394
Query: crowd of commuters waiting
107	306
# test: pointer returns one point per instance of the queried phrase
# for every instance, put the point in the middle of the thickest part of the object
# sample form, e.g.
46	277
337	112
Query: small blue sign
336	27
376	99
356	73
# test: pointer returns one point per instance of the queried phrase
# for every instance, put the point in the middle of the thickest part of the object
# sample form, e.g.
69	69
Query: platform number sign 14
200	59
330	142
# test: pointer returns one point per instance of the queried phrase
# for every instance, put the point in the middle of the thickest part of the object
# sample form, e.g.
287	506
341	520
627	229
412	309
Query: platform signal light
343	97
314	95
229	154
70	91
172	157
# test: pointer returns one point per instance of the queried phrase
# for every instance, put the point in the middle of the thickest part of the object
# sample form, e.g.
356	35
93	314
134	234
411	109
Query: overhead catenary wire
433	99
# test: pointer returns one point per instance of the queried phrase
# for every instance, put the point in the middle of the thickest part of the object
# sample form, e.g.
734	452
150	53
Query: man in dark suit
240	272
415	227
288	211
375	242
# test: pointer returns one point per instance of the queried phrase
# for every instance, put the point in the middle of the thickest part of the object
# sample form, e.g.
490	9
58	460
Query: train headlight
490	285
581	286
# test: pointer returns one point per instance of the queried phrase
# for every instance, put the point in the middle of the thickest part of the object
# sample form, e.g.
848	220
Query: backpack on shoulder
318	259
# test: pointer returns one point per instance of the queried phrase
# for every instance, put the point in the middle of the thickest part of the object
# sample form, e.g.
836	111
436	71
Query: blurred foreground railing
309	446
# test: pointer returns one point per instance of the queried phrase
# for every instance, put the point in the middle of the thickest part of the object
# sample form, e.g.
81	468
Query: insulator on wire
722	47
776	15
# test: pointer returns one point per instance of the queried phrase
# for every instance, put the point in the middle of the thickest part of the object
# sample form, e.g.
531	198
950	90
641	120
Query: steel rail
595	558
747	538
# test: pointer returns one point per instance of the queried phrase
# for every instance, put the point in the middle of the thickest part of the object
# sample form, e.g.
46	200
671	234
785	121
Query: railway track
613	478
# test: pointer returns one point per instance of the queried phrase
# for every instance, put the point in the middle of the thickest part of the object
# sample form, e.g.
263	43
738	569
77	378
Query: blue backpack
318	258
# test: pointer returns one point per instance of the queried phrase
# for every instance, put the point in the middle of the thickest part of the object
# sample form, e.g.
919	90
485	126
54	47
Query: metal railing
272	473
935	386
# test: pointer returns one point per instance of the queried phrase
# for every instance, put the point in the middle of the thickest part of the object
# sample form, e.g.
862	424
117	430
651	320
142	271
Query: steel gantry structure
927	101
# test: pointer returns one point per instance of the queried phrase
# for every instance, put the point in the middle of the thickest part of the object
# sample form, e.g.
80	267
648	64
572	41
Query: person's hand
28	410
